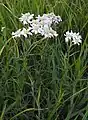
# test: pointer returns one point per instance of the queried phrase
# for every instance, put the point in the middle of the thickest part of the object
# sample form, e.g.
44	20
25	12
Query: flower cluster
75	38
40	25
43	25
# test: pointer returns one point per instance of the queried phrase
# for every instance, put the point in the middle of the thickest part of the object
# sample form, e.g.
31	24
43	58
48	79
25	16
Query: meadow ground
43	80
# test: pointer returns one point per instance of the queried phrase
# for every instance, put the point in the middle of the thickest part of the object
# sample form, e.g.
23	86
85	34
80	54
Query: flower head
26	18
16	34
49	18
35	28
48	32
75	38
55	19
26	32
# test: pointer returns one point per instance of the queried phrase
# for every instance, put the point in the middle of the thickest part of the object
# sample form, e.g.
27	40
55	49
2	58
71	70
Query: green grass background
43	79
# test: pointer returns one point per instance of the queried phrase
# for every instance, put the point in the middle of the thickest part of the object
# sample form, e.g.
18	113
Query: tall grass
43	79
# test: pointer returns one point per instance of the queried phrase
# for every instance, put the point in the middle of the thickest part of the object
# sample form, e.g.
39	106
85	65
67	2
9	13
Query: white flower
49	32
49	19
26	18
26	32
42	20
55	19
53	32
68	36
35	28
41	31
75	38
16	34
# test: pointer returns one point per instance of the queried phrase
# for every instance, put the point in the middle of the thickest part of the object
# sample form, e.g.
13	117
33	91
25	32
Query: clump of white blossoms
74	37
39	25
